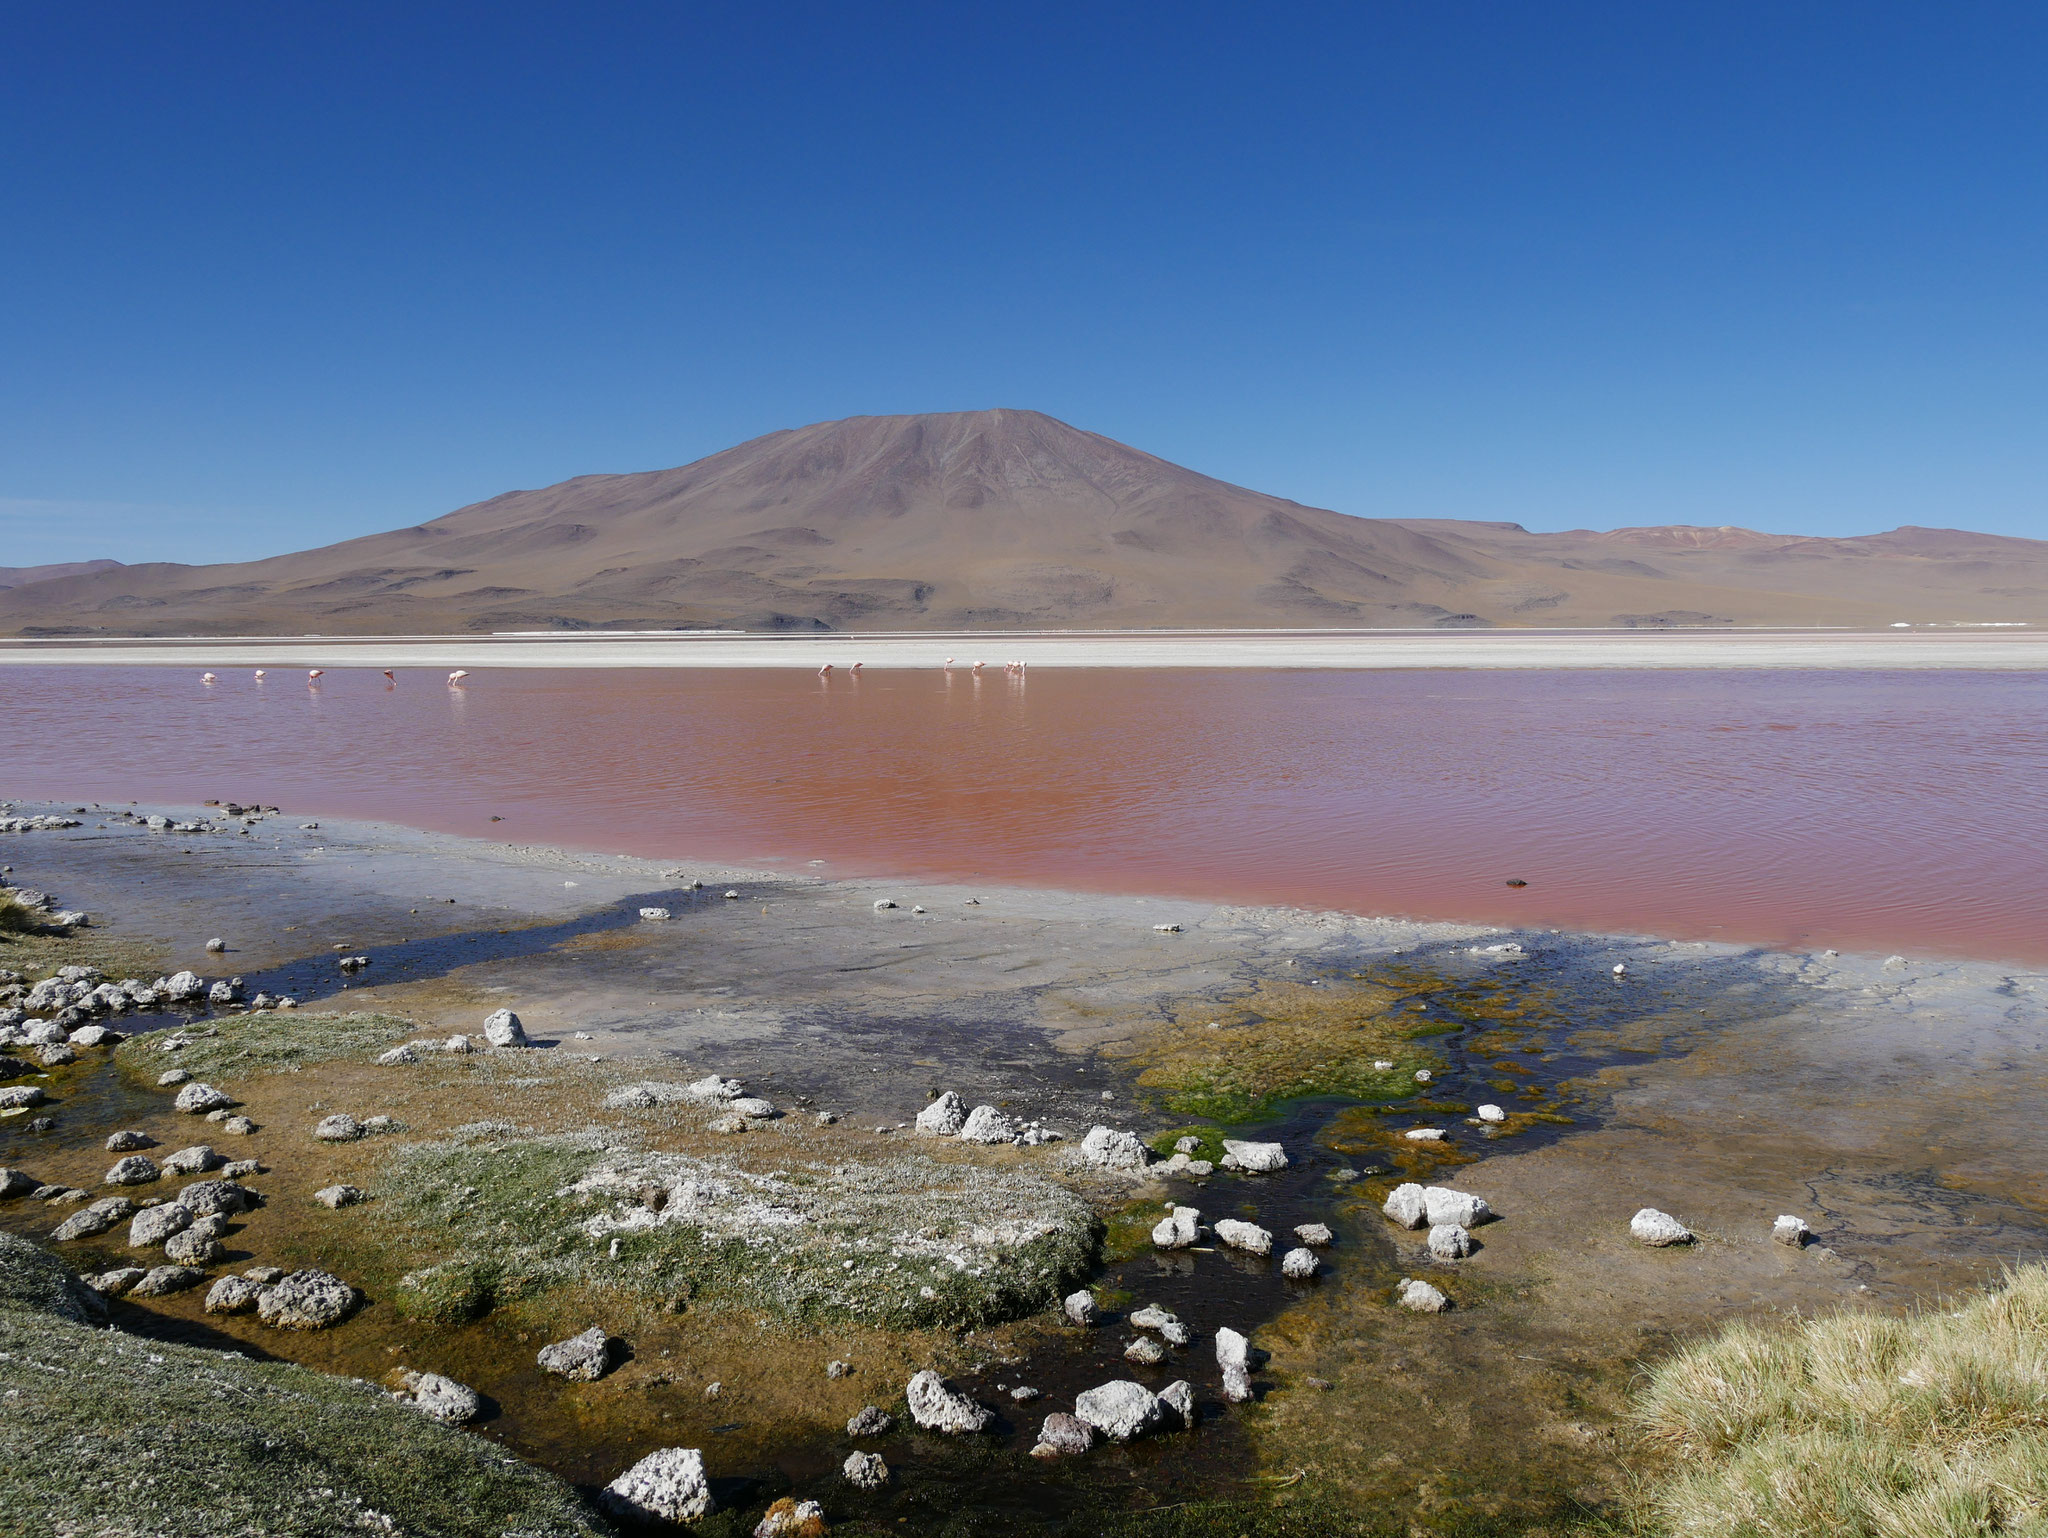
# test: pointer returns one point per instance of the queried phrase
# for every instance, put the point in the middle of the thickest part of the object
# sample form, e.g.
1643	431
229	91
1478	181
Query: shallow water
1874	811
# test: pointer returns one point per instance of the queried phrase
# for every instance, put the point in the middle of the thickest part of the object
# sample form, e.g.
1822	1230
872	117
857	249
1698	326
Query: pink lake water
1869	811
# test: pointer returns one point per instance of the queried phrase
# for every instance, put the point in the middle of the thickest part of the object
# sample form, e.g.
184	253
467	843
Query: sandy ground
1891	1103
1925	648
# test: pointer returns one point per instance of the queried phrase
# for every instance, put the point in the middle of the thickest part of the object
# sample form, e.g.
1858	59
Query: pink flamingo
825	671
979	666
854	669
259	675
458	675
206	678
387	674
313	673
949	662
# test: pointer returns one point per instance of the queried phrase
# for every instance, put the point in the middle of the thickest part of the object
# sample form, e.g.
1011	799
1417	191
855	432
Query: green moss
1211	1140
280	1042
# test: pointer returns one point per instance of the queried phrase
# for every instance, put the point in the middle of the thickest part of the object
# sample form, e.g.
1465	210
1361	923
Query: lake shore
2001	649
1720	1083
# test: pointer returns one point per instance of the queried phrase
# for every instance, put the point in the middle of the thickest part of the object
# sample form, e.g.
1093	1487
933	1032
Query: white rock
1253	1158
196	1160
1449	1241
1299	1265
135	1170
938	1408
1079	1307
944	1117
865	1471
1791	1230
1442	1204
1245	1236
1316	1236
336	1197
196	1099
1658	1229
1237	1384
1421	1297
665	1486
1178	1229
1424	1134
153	1225
883	904
338	1128
1107	1148
1232	1349
1407	1205
1177	1404
1119	1409
751	1108
397	1056
444	1399
502	1029
1492	1113
1423	1076
985	1124
654	915
712	1088
306	1300
1145	1351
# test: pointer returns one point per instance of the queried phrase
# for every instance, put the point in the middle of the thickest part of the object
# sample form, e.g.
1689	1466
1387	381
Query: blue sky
273	276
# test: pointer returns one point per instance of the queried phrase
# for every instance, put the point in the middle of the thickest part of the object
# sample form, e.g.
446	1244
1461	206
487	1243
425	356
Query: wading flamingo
979	666
259	674
206	678
458	675
854	669
949	662
825	671
387	674
313	673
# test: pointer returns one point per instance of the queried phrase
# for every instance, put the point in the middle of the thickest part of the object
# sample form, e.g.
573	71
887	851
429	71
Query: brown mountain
1010	519
21	576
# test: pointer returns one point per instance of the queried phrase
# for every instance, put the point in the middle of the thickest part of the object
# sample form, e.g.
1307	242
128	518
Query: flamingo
855	668
979	666
825	671
313	673
949	662
458	675
259	675
206	678
387	674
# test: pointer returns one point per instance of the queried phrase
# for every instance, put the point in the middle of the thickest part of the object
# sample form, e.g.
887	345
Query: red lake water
1899	811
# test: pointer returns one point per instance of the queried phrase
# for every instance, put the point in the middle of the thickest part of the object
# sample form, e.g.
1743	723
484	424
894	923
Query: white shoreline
2003	650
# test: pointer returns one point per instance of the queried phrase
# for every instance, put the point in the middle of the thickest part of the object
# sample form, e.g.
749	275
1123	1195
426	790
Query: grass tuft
285	1041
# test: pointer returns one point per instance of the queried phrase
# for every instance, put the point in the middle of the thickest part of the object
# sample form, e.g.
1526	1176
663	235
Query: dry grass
1934	1426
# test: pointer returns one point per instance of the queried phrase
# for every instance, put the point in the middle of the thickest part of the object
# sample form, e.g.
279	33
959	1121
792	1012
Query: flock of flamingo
314	675
1014	668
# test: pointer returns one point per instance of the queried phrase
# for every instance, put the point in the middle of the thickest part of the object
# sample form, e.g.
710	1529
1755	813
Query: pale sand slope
1980	649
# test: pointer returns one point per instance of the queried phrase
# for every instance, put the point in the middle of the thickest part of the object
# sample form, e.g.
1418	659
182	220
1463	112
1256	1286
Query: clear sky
276	275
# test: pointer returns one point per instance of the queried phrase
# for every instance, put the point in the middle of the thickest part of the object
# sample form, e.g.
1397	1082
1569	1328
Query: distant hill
21	576
1011	519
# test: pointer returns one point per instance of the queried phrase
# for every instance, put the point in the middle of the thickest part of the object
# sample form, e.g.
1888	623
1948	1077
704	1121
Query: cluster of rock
948	1116
74	996
1450	1216
36	823
1181	1229
43	908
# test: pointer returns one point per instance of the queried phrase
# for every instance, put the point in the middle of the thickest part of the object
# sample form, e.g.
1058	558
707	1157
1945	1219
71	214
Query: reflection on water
1882	811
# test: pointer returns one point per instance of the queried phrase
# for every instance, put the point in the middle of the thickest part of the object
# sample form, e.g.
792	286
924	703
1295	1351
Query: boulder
1178	1229
1079	1307
1145	1351
172	1076
1407	1205
1658	1229
205	1198
117	1282
1450	1241
665	1486
338	1128
196	1160
936	1407
154	1225
1108	1149
232	1295
1245	1236
751	1108
1177	1404
184	987
1232	1349
128	1142
1237	1385
711	1087
1424	1134
196	1099
1420	1296
865	1471
1316	1236
306	1300
944	1117
162	1281
135	1170
1301	1264
1791	1230
193	1247
1492	1113
96	1036
15	1183
871	1421
444	1399
336	1197
1253	1158
791	1518
582	1358
84	1225
1441	1204
1153	1317
20	1097
1120	1409
502	1029
1063	1436
238	1126
985	1124
397	1057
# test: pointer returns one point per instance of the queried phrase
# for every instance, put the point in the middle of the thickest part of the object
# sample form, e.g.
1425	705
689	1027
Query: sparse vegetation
1931	1426
238	1046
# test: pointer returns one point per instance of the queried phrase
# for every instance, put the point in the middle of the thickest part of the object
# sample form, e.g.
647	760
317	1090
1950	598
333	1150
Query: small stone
88	1224
232	1295
241	1169
1791	1230
117	1282
752	1109
1299	1265
1106	1148
135	1170
838	1369
162	1281
1450	1241
57	1055
20	1097
15	1183
449	1402
1079	1307
216	945
871	1421
338	1128
582	1358
1120	1409
1153	1317
936	1407
1316	1236
1441	1204
826	1118
1023	1394
1145	1351
238	1126
1492	1113
196	1099
1658	1229
207	1197
1424	1134
985	1124
791	1518
1407	1206
865	1471
1232	1349
397	1057
1178	1229
306	1300
654	915
336	1197
1177	1400
1253	1158
128	1142
196	1160
172	1076
1063	1436
191	1247
502	1029
1421	1297
666	1486
1245	1236
263	1276
730	1122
